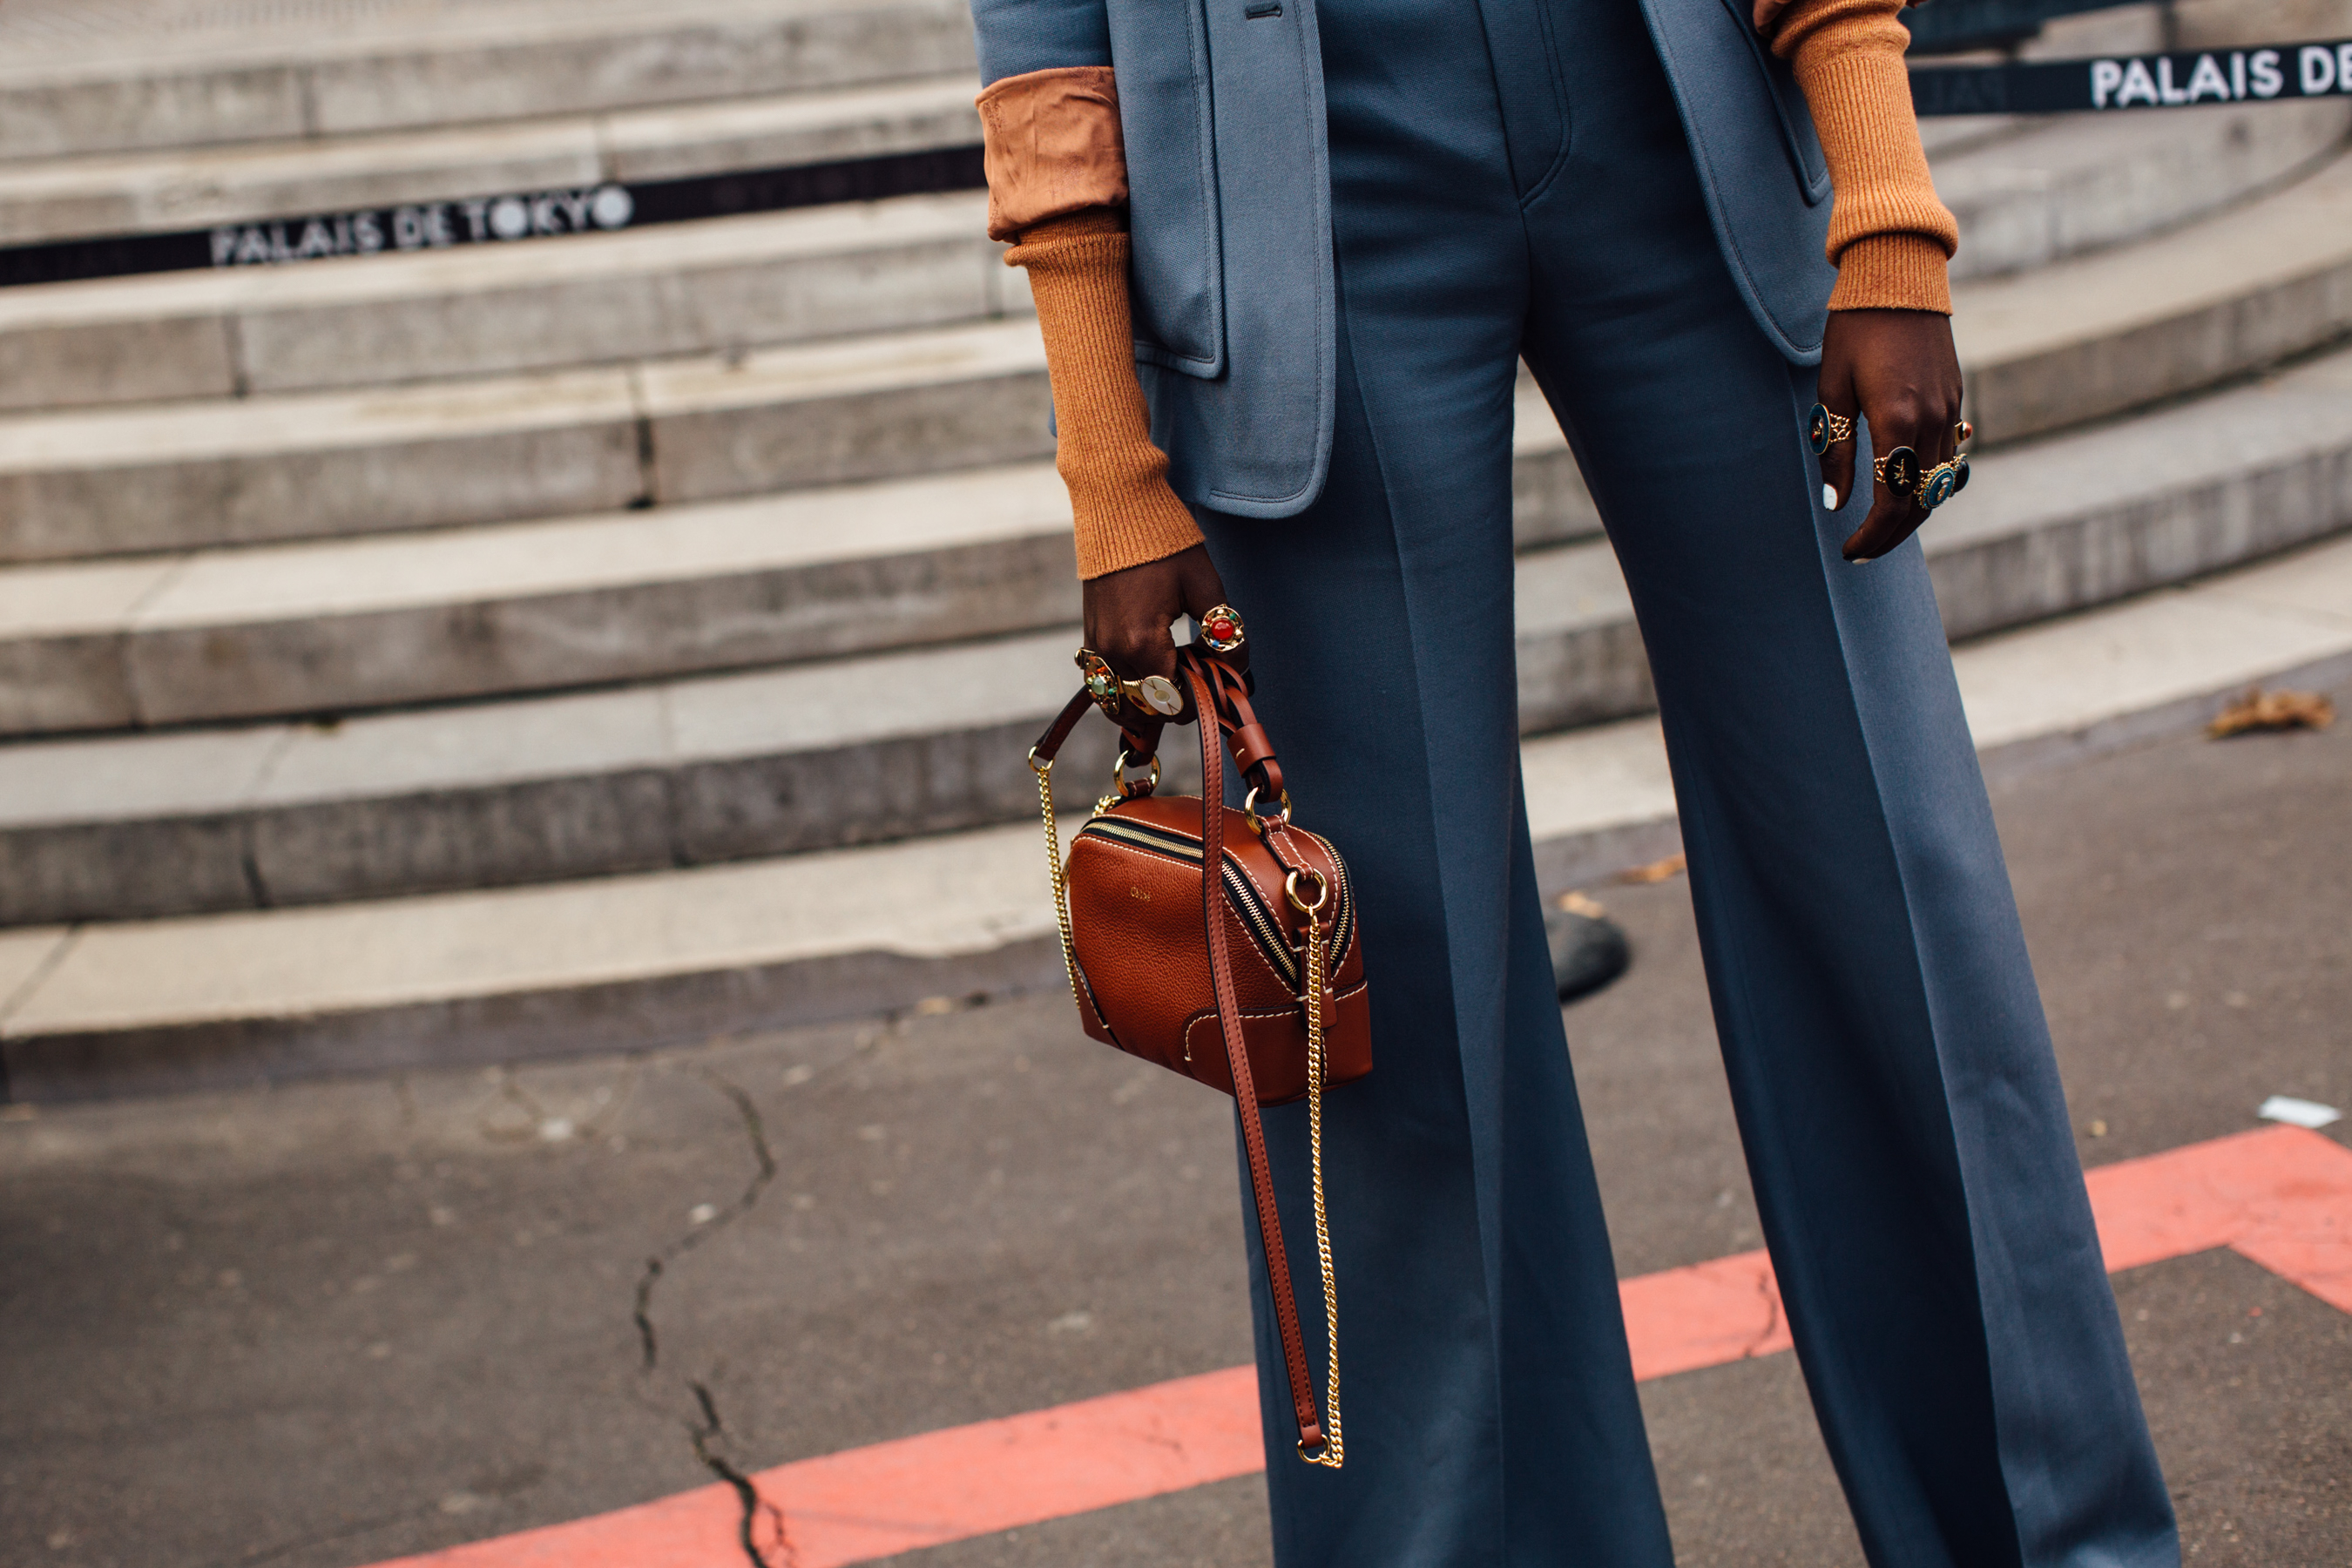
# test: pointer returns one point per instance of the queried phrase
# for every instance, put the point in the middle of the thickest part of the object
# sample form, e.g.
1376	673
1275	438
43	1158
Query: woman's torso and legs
1381	623
1517	183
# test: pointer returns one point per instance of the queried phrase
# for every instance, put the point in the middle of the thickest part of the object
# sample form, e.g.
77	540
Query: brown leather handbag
1251	981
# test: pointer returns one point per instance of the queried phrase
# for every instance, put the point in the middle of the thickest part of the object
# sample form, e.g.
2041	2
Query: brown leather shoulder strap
1229	1019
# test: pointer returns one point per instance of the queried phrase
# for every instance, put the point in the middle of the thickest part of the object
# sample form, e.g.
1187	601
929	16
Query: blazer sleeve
1016	37
1890	237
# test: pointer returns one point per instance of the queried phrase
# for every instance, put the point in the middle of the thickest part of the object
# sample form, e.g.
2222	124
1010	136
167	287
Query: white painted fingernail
1829	497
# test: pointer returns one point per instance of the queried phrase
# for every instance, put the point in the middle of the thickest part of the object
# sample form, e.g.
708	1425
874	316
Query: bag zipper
1256	917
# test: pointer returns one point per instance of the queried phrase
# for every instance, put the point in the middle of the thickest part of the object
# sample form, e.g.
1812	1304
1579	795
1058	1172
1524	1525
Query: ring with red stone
1220	629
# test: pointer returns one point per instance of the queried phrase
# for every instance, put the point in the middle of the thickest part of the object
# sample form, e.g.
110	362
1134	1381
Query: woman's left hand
1899	370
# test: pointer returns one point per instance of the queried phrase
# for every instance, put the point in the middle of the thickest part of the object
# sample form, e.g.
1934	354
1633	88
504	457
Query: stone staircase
696	588
86	77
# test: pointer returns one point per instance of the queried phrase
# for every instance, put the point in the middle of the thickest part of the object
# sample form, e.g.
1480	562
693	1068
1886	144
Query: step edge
465	37
661	1009
2327	665
882	665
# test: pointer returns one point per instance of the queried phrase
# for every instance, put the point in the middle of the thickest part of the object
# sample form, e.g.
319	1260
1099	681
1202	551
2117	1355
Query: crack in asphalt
755	1131
708	1434
756	1508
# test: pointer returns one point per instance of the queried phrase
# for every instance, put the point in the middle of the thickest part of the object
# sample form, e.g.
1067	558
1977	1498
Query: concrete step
334	627
721	286
2045	349
263	76
245	470
635	962
161	477
884	745
686	771
2030	196
2075	184
2137	324
183	188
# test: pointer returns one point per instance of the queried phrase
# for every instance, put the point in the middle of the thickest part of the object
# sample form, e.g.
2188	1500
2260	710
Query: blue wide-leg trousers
1512	181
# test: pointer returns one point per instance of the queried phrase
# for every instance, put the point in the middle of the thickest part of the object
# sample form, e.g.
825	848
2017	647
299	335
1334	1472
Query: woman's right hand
1129	612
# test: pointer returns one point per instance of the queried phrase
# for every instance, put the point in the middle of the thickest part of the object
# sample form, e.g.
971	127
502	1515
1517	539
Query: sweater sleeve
1889	237
1058	188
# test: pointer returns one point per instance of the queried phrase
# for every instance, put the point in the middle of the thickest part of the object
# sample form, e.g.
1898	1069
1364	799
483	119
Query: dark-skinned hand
1898	369
1129	614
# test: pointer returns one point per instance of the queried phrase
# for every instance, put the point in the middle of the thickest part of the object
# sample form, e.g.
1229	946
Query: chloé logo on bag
1139	895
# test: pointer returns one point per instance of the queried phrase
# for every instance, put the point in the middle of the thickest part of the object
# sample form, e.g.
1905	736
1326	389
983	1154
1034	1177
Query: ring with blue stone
1824	429
1942	482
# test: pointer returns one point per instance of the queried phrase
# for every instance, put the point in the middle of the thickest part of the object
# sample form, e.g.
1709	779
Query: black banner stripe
2194	79
2190	79
497	219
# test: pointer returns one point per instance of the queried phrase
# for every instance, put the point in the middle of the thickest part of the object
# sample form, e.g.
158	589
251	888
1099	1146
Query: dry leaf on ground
1578	904
2260	710
1656	871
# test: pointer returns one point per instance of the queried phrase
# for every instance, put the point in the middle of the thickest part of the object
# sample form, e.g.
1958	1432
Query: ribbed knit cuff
1888	234
1893	272
1120	504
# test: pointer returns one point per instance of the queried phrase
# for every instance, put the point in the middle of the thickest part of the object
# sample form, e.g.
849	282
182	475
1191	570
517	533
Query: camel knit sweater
1058	188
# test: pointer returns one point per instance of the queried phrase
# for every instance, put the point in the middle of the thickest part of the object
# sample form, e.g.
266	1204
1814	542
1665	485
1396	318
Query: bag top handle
1222	690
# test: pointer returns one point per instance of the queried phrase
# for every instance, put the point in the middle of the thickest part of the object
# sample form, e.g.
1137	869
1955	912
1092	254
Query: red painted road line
1705	1315
2280	1195
863	1503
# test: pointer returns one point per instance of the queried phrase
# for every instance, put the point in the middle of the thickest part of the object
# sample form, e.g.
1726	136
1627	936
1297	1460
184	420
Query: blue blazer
1229	208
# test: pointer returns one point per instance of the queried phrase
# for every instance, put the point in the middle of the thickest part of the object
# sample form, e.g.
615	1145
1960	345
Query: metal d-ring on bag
1249	980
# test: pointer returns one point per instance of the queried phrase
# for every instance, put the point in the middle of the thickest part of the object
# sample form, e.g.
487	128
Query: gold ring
1824	429
1152	694
1898	470
1942	482
1220	629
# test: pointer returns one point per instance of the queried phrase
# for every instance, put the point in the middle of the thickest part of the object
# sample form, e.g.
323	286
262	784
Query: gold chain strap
1334	1447
1045	771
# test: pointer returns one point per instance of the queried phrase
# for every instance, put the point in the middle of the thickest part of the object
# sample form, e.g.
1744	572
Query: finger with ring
1152	694
1824	429
1898	470
1220	629
1942	482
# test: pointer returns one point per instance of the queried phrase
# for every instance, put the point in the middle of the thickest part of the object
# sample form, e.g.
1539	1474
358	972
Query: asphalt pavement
329	1325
